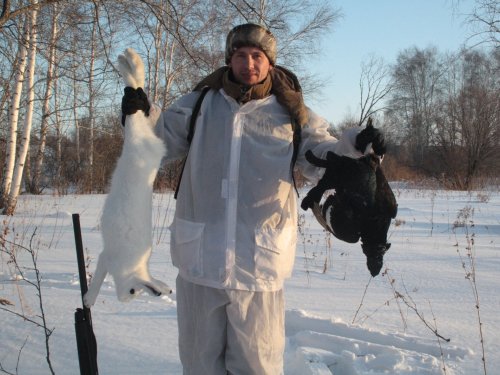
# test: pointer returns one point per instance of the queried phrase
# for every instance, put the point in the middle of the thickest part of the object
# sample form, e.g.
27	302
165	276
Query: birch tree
14	111
36	187
58	171
14	10
91	114
28	117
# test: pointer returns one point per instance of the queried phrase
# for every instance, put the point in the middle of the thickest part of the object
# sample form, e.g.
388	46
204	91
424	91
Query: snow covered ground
338	320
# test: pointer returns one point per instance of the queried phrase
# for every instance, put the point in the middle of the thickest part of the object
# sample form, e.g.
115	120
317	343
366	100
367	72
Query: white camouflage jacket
235	224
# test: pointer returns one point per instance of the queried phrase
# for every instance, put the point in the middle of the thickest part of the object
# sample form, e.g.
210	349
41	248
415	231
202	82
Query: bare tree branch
374	86
8	14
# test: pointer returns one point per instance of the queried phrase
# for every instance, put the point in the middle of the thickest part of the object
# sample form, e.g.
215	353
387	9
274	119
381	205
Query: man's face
250	65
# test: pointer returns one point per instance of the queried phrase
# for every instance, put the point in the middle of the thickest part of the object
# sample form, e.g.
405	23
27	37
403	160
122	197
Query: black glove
134	100
372	135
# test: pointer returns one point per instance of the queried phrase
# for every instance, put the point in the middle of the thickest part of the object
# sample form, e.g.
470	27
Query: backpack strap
192	126
297	137
196	111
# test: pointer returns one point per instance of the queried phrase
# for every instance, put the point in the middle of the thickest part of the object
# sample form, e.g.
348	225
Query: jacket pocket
274	252
187	238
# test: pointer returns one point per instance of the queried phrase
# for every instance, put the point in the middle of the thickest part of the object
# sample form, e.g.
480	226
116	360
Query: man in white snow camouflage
234	232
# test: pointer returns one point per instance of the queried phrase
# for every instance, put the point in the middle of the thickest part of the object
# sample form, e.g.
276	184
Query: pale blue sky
383	28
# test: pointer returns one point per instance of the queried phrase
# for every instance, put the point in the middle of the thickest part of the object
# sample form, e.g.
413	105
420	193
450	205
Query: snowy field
445	245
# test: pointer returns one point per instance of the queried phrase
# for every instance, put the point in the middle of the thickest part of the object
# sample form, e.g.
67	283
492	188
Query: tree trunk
75	118
91	107
155	79
14	114
23	151
58	180
44	127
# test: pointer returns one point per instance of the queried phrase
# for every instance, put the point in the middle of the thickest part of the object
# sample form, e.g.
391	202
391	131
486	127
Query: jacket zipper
232	193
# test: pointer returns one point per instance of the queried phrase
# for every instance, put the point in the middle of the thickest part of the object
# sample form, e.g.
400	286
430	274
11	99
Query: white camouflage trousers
231	332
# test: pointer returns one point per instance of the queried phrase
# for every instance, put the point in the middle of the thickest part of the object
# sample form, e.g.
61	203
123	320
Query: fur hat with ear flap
251	35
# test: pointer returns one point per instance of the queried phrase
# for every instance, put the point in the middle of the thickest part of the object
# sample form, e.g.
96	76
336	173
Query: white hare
126	222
